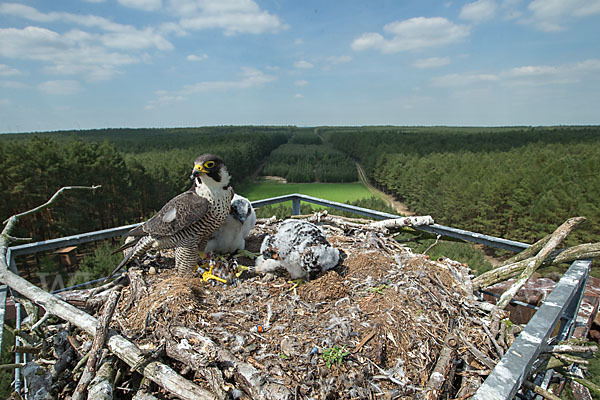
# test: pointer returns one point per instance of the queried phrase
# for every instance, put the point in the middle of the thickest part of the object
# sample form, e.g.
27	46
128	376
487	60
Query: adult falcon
188	220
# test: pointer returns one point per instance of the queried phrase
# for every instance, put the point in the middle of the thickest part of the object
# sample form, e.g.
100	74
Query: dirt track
397	205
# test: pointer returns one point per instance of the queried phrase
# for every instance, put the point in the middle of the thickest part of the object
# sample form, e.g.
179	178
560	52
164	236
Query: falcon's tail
141	243
127	245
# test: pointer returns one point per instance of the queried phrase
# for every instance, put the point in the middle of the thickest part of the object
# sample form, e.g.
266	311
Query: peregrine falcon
230	236
299	247
187	221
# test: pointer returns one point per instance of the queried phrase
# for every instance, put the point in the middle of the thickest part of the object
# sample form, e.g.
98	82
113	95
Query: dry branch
579	252
98	344
246	375
397	223
442	367
533	263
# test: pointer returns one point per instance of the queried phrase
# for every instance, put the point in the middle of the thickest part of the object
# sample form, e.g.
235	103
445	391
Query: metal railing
562	304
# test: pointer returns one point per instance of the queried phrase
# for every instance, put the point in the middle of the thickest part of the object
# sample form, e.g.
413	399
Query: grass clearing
340	192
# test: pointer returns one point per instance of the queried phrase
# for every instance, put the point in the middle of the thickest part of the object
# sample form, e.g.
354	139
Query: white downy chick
230	237
299	247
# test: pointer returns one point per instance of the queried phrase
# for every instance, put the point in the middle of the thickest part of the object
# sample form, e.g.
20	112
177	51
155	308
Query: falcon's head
211	170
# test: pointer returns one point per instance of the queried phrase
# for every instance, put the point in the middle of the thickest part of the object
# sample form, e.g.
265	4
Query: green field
340	192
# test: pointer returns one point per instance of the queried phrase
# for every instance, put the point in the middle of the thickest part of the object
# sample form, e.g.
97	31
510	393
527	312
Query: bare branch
12	220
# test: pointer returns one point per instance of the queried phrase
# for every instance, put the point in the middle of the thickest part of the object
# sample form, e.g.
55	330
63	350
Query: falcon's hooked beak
198	170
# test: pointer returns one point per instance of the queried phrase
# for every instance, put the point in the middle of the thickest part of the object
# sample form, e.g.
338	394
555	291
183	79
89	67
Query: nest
375	325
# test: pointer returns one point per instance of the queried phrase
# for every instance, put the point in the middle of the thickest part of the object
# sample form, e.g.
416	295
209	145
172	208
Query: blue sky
165	63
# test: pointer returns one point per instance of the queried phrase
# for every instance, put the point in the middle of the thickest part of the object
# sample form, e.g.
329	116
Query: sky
91	64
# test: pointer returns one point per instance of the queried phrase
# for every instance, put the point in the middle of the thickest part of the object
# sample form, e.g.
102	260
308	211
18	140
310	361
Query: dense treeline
138	172
517	183
310	163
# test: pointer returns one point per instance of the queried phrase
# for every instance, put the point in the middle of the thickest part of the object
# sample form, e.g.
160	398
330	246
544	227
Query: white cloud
528	75
432	62
233	16
301	83
5	70
412	34
61	87
98	53
298	96
71	53
339	59
12	85
479	10
197	57
146	5
249	78
451	80
552	15
116	35
302	64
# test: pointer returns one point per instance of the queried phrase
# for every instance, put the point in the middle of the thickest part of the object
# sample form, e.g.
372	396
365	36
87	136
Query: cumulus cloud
197	57
62	54
233	16
249	78
60	87
412	34
99	52
528	75
5	70
112	34
479	10
432	62
301	83
302	64
298	96
462	79
146	5
552	15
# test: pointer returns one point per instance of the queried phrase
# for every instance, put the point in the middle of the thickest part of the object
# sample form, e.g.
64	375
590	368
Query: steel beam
508	375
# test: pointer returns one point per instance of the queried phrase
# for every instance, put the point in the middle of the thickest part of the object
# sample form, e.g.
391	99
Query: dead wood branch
542	392
97	345
572	348
579	252
101	387
245	374
533	263
10	222
442	367
158	372
399	223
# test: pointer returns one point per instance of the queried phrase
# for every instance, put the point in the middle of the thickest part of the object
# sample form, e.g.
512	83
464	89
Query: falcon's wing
180	212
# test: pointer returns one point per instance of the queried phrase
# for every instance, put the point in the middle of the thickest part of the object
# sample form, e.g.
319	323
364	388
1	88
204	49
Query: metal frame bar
508	375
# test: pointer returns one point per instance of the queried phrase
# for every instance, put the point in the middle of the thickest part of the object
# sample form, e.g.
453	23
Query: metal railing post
295	206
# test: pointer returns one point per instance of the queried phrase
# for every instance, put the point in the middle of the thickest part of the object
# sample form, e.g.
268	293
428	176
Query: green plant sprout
334	355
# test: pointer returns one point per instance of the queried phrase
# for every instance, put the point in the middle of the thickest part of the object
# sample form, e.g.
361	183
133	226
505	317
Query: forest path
397	205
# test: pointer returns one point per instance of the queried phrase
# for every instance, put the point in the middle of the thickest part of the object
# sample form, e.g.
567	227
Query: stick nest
375	325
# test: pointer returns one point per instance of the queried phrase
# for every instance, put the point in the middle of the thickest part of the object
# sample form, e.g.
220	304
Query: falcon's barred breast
188	220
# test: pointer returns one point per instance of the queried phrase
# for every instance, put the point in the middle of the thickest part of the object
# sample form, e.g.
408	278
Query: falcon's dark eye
209	164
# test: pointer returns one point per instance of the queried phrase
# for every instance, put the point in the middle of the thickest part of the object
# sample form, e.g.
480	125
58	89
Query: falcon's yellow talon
296	282
240	270
208	275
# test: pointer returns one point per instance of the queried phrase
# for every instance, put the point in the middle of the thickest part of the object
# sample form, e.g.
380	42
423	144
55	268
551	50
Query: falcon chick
188	220
299	247
231	236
